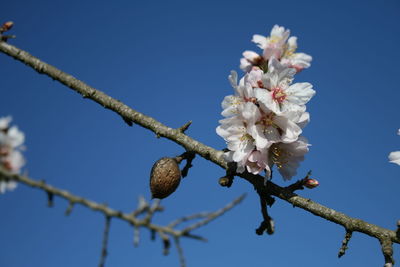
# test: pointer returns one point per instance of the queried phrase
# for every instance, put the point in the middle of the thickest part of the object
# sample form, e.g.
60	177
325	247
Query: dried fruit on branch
164	178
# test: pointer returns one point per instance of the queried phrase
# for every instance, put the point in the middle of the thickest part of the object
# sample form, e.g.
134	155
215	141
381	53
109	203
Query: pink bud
311	183
7	25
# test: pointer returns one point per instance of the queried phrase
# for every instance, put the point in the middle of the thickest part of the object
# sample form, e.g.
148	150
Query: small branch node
166	242
184	127
227	180
188	156
345	242
50	199
69	208
127	121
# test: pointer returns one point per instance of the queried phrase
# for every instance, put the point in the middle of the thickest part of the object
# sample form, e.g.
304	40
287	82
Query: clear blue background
170	60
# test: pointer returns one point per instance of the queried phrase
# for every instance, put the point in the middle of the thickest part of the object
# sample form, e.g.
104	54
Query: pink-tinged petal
254	78
394	157
13	162
260	40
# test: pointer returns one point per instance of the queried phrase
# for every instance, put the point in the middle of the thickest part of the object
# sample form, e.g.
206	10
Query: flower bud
7	25
165	177
310	183
224	181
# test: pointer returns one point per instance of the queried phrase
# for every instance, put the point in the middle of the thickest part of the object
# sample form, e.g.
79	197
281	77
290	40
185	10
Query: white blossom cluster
265	117
11	144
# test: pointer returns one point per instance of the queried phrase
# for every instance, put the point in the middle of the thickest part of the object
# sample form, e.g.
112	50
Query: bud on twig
311	183
6	26
225	181
164	178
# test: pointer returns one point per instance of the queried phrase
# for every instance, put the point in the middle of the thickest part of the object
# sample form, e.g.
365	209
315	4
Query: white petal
265	100
250	113
4	122
292	43
257	132
251	56
394	157
300	93
272	135
260	40
233	78
245	65
230	105
291	130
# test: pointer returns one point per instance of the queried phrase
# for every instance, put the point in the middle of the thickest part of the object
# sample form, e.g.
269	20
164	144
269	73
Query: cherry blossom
277	45
265	117
11	144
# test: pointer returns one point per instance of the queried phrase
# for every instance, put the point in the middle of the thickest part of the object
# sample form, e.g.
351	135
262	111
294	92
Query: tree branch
110	213
209	153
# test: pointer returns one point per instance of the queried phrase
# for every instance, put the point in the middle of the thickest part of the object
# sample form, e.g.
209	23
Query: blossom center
274	39
278	95
268	120
246	137
279	156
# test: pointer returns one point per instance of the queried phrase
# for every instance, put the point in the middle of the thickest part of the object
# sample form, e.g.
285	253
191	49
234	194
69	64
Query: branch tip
69	208
184	127
104	251
345	242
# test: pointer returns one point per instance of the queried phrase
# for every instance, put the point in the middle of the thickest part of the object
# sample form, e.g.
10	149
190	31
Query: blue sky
170	60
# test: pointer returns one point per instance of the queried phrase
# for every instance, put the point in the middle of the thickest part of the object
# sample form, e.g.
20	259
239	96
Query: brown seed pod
165	177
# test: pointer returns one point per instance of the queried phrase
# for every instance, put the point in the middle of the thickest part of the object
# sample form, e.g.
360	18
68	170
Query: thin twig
136	236
104	251
180	252
107	211
188	218
214	215
184	127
